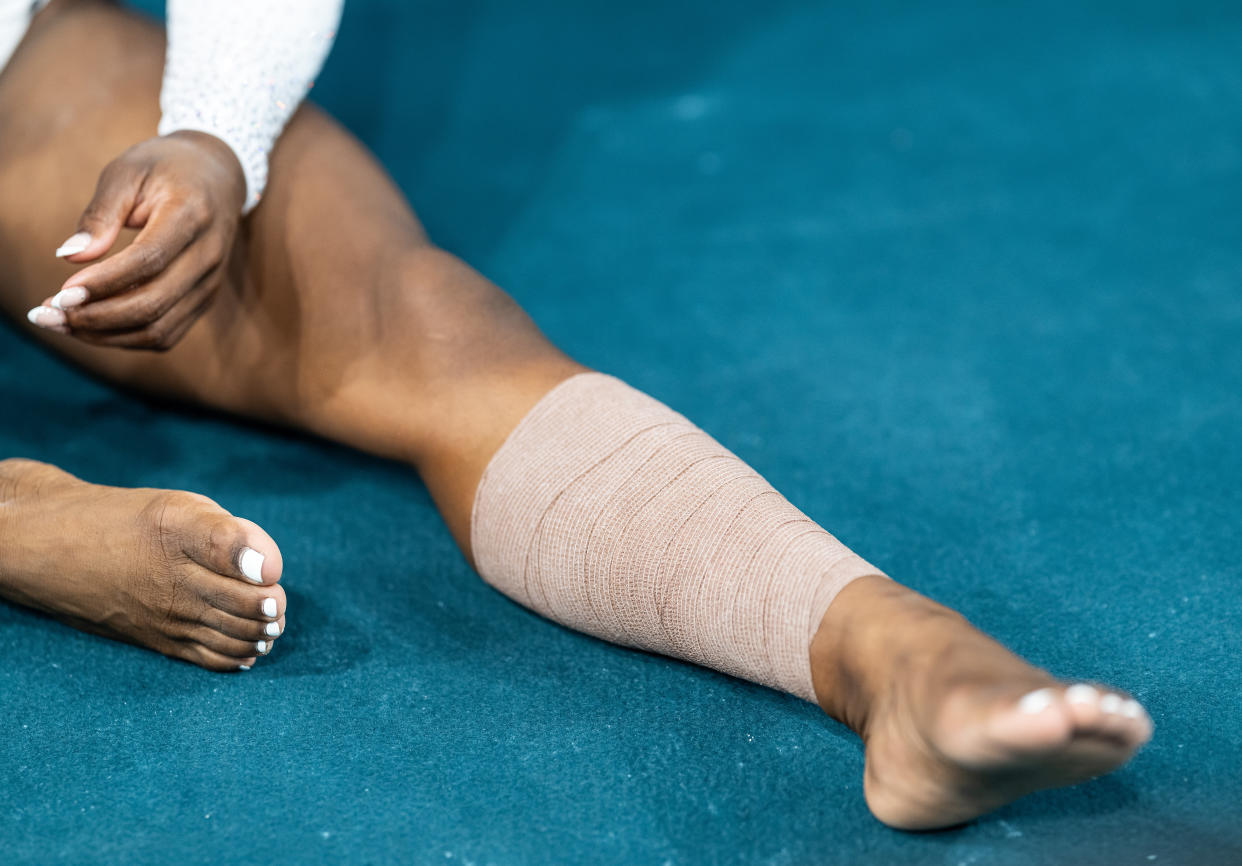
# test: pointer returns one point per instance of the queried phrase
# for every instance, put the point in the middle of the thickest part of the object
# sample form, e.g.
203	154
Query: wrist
224	158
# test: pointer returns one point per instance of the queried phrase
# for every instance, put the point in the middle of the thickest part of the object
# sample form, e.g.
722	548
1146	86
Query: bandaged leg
612	514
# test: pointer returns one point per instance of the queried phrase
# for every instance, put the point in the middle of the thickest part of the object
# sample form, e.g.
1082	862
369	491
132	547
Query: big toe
1037	722
231	546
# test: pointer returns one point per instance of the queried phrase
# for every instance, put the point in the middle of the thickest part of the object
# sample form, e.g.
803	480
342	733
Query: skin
393	346
184	193
157	568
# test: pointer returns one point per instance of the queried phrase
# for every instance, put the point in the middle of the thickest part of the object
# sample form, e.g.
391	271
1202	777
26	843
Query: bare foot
954	724
164	569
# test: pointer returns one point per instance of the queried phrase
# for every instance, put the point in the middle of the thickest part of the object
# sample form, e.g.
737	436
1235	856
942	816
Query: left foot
954	724
164	569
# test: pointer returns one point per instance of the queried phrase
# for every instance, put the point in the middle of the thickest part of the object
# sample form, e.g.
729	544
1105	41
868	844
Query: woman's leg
343	320
339	317
168	570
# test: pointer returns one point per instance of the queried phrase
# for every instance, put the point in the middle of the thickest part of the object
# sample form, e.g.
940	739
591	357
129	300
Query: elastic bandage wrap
610	513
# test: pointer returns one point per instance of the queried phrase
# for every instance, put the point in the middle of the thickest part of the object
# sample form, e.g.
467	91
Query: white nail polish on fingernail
74	296
1082	694
251	562
1110	703
243	667
269	607
273	629
1036	702
46	317
261	646
1131	709
74	245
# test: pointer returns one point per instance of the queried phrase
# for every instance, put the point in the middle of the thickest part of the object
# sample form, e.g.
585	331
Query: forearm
238	69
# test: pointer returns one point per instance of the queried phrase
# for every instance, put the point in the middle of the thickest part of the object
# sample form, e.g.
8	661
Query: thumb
115	197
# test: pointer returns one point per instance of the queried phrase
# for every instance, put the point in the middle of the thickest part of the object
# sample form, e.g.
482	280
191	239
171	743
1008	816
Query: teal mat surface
962	279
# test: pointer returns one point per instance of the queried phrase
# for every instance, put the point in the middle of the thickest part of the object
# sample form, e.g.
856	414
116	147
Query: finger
116	195
48	318
171	227
145	303
165	332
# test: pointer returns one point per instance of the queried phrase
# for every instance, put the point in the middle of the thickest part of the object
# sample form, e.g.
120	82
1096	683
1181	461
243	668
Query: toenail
1082	694
261	647
269	607
1110	703
251	562
1131	709
1036	702
243	667
273	629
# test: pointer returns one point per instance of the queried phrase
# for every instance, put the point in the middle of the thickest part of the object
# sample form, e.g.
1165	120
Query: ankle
875	634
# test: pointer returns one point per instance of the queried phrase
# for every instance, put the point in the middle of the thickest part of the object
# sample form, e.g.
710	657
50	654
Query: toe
1039	720
206	657
1142	726
236	649
1083	702
260	603
250	630
1107	713
1123	718
232	546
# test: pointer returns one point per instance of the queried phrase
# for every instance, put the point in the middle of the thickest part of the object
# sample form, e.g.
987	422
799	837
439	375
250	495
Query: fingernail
1082	694
1131	709
251	562
261	647
74	296
269	607
243	667
46	317
1110	703
1036	702
74	245
272	629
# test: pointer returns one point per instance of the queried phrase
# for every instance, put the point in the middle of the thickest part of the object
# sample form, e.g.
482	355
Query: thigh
296	309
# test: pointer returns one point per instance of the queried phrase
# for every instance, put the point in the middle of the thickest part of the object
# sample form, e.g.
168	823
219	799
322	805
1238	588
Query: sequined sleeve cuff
238	69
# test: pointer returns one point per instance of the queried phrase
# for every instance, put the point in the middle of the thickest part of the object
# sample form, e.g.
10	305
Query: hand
185	192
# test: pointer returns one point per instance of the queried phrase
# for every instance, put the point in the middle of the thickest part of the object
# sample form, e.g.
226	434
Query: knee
456	321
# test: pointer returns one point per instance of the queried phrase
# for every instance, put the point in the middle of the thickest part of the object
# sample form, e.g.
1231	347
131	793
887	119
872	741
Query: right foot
163	569
955	725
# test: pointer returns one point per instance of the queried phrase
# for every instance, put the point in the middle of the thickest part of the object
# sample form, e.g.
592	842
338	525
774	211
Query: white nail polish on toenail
1131	709
261	647
243	667
1110	703
1036	702
1082	693
74	245
251	562
273	629
74	296
269	607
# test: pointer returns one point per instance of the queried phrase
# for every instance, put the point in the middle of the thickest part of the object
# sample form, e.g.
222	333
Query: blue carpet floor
962	279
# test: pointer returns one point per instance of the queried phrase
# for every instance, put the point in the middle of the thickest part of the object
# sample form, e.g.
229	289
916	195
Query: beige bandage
610	513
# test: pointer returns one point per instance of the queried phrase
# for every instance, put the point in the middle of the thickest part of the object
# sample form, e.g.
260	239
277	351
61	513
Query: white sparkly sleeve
237	69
